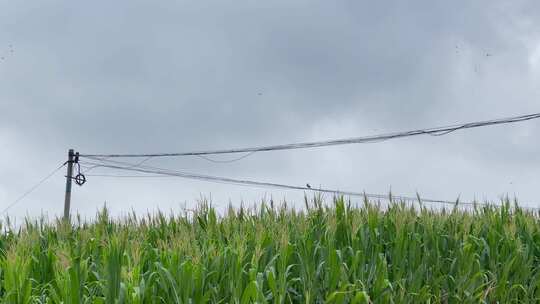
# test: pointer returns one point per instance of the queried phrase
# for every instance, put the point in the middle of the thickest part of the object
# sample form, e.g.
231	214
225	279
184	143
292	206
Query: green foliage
323	254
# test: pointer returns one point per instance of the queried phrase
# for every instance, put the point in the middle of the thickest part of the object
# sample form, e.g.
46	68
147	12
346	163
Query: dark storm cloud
150	77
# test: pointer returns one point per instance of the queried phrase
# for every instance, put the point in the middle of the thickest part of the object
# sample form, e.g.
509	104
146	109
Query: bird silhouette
308	185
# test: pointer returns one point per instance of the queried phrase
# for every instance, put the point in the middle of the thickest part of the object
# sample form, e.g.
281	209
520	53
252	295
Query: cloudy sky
169	76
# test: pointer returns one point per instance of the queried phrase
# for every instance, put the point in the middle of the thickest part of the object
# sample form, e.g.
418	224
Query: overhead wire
102	162
226	161
226	180
32	189
138	167
128	176
437	131
105	161
246	182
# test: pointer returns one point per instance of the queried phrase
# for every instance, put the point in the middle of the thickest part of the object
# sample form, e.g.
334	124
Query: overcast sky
169	76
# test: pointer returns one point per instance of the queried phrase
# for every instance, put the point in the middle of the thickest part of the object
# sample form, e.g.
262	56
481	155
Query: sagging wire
32	189
245	182
438	131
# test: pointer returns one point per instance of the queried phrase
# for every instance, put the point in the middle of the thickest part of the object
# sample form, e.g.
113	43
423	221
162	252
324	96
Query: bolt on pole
69	178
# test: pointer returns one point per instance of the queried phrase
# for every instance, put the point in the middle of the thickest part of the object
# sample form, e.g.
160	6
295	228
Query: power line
128	176
438	131
104	161
25	194
225	180
227	160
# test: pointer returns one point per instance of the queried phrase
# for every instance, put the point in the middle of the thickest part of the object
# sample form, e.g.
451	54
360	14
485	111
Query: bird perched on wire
308	185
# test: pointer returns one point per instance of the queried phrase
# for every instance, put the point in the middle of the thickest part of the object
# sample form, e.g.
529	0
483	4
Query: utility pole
69	178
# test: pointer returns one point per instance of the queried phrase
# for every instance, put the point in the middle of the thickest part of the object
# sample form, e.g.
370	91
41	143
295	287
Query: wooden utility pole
69	178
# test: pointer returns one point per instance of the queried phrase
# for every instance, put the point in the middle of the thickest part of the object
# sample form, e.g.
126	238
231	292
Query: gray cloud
148	77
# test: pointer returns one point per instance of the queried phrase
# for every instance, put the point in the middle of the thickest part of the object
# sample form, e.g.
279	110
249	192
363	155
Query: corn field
273	254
